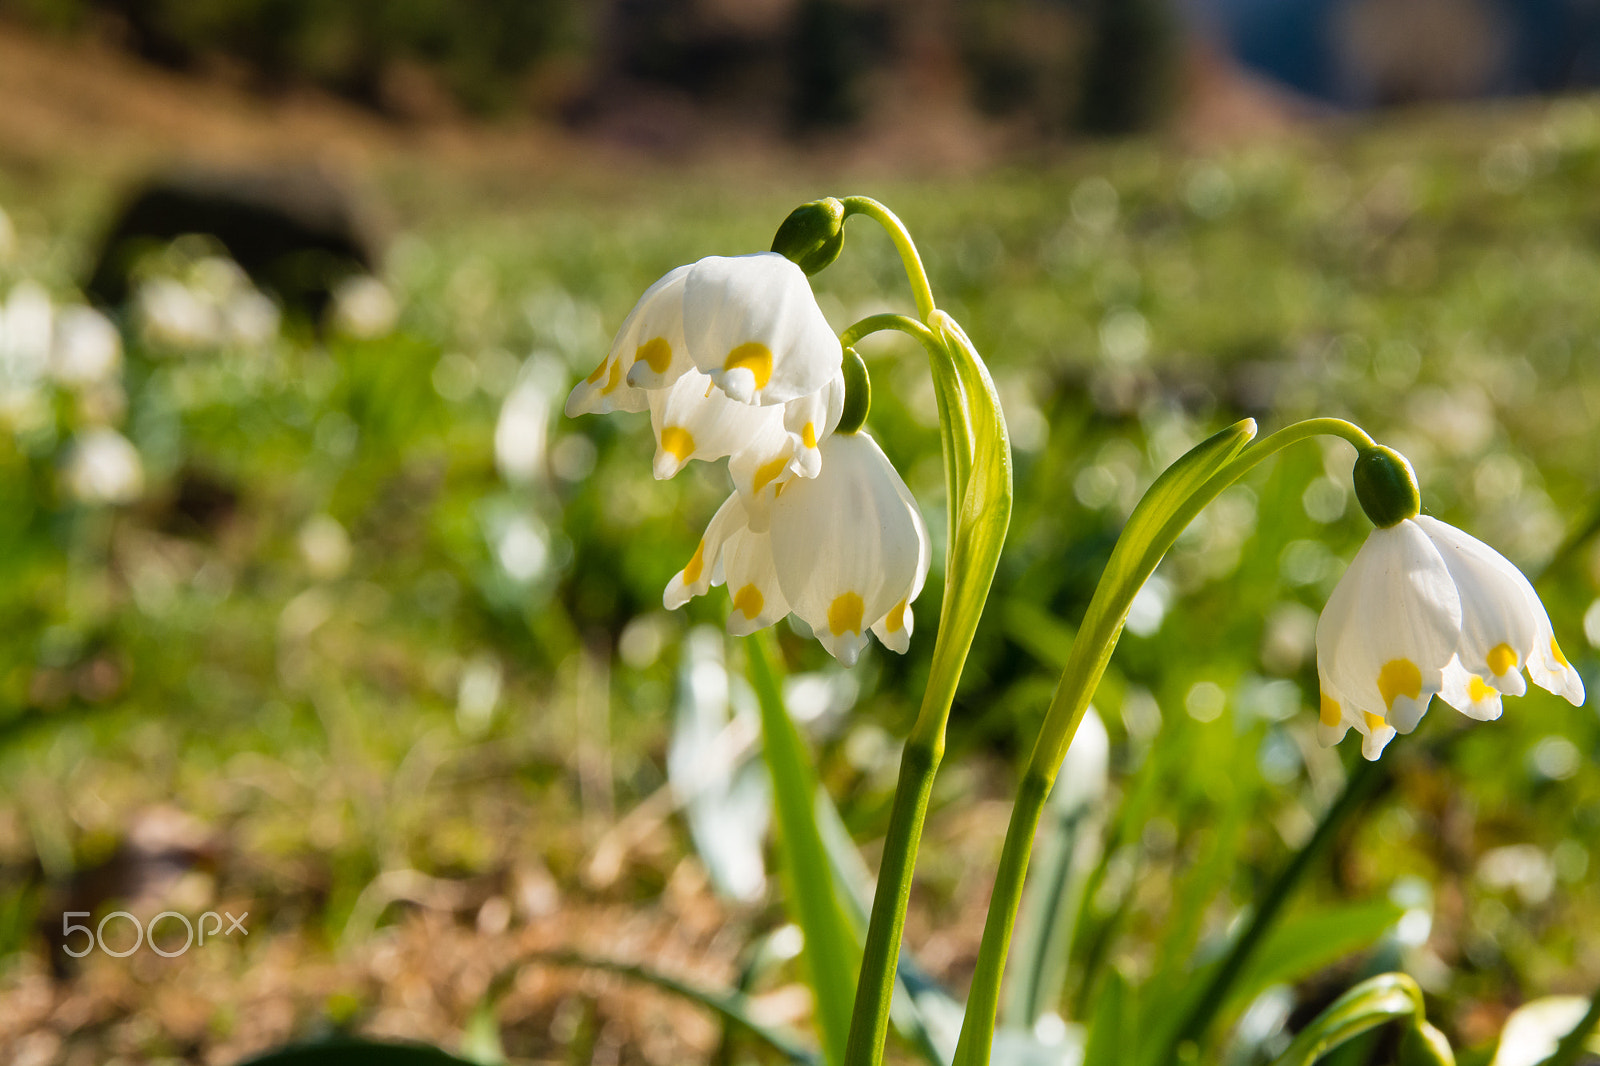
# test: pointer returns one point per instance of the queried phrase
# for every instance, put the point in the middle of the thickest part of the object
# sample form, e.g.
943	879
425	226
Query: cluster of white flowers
1426	610
77	349
733	358
212	304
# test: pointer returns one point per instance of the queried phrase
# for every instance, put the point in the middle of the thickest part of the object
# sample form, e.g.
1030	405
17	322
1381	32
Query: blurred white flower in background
522	548
521	435
364	308
25	334
215	304
104	467
325	547
173	315
87	349
250	318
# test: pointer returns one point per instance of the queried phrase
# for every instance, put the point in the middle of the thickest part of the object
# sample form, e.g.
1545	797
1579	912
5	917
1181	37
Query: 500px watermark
143	933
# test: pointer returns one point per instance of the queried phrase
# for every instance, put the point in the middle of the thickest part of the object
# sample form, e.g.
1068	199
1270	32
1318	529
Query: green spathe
1386	486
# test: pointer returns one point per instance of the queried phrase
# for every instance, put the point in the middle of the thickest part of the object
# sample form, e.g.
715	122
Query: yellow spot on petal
677	442
1399	677
1375	722
1329	711
809	435
1478	689
654	353
766	472
779	490
754	357
1501	659
844	613
697	565
709	386
598	372
749	600
1555	653
895	620
614	379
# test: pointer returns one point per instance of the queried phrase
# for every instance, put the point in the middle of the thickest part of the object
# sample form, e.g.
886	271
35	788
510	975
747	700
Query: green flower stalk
732	357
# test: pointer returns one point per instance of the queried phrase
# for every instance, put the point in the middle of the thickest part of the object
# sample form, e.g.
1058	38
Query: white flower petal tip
1423	610
1373	743
1550	671
649	352
756	329
1329	735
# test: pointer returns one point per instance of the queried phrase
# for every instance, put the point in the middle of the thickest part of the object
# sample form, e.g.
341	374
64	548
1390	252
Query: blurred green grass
446	701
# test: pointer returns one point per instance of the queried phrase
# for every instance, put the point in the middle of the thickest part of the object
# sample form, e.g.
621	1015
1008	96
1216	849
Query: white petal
693	420
1373	743
649	352
894	629
704	568
1472	694
810	420
752	583
1501	616
846	546
762	465
754	326
1550	670
1391	626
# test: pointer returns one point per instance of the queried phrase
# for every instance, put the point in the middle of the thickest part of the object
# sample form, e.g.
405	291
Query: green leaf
1304	945
731	1006
832	954
349	1052
1368	1005
1069	849
1113	1032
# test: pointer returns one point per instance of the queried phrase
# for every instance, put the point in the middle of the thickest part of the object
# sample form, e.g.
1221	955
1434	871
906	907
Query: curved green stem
921	291
979	510
1166	510
889	320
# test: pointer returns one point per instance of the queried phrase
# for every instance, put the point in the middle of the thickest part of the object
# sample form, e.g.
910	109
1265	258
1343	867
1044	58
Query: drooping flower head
846	551
733	358
1424	610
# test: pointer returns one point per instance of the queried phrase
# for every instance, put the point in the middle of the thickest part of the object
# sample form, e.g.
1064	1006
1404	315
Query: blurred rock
297	233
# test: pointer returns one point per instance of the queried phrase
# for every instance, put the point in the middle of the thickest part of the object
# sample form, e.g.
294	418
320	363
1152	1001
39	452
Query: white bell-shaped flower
1424	610
648	352
755	328
846	551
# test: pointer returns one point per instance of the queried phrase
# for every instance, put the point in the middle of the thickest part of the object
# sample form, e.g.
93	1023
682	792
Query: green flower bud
813	234
857	393
1423	1045
1386	486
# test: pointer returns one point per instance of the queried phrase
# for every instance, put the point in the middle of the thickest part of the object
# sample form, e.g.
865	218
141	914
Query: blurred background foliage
340	623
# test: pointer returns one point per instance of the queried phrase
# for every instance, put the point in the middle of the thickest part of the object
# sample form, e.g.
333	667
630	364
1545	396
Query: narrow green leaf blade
731	1006
1368	1005
1301	946
832	955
